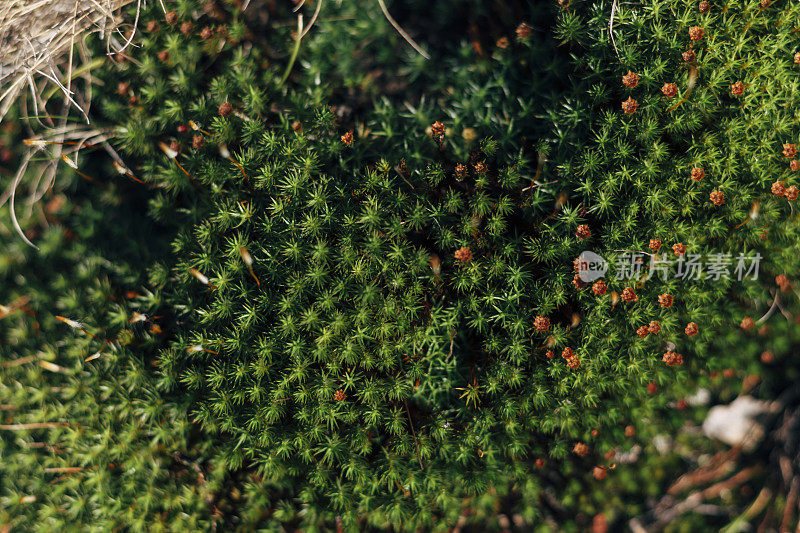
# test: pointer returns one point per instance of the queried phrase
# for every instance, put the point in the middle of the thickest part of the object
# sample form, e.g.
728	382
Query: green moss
357	372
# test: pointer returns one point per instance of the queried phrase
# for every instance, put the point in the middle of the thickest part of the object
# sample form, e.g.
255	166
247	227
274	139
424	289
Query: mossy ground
286	335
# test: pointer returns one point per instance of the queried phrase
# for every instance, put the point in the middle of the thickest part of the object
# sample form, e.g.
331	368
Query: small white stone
735	423
701	397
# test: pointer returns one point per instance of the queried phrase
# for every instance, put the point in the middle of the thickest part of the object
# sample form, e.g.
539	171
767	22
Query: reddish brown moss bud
524	31
463	254
599	287
665	300
630	79
696	33
671	358
778	188
629	296
541	323
630	105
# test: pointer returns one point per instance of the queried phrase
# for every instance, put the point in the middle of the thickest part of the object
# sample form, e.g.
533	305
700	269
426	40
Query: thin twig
791	502
33	425
771	310
295	51
614	9
414	434
403	33
18	361
313	18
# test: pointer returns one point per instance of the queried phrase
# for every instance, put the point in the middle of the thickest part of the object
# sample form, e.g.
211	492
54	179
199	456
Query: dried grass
38	44
38	39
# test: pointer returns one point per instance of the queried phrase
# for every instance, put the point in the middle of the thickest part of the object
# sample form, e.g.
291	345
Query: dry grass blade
34	425
614	9
54	145
401	31
38	38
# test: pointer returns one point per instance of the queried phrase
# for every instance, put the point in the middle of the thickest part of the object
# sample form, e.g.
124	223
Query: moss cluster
351	300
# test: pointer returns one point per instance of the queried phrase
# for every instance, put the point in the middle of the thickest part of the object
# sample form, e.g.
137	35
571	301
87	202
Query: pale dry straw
38	44
38	39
